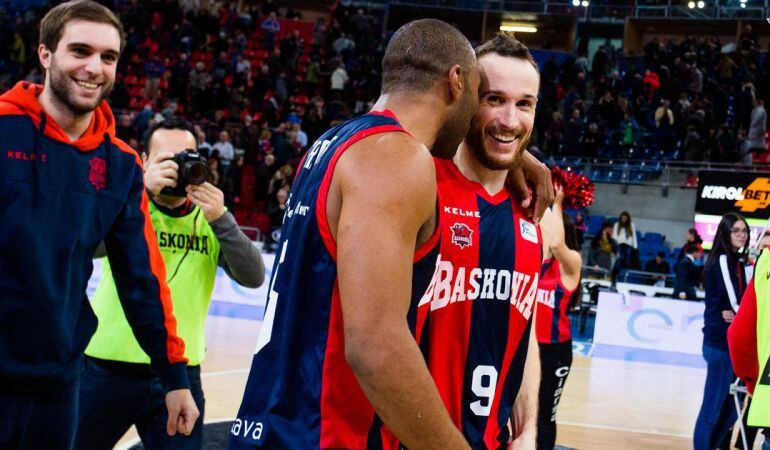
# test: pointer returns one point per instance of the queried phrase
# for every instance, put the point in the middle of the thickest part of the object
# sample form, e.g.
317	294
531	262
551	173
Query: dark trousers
555	363
110	402
717	412
40	420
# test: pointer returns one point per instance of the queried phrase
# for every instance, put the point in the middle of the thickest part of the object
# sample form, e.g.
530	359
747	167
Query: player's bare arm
524	418
387	189
570	260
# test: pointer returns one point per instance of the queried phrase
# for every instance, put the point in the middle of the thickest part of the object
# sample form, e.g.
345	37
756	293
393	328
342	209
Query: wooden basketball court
607	403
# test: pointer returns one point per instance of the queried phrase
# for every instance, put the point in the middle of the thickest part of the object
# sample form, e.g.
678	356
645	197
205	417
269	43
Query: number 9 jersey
473	323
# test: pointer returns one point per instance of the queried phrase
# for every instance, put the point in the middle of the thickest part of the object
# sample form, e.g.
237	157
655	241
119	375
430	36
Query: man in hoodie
68	183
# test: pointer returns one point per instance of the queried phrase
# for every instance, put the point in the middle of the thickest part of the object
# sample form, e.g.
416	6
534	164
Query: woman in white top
624	231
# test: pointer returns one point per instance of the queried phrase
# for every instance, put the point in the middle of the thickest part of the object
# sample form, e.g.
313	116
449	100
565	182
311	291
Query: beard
490	160
63	95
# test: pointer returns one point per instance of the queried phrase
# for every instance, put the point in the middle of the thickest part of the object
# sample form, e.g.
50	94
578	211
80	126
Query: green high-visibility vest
759	413
190	250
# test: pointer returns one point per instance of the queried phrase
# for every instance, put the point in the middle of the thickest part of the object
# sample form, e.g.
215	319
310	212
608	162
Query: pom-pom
578	190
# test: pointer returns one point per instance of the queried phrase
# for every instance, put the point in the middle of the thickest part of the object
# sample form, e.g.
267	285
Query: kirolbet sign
747	193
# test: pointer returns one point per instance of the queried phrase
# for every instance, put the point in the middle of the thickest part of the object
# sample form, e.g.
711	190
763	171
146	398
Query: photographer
195	235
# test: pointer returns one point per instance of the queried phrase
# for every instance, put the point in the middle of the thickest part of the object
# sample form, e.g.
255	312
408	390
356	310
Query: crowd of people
685	97
260	94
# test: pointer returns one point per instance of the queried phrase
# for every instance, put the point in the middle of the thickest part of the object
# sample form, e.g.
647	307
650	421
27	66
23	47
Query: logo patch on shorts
528	231
461	235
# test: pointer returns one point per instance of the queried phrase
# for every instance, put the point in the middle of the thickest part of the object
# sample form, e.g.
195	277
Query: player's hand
209	199
682	296
558	195
728	316
159	172
525	441
182	412
539	177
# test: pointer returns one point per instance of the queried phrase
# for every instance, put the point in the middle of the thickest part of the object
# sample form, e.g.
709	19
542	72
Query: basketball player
557	293
474	324
68	183
359	243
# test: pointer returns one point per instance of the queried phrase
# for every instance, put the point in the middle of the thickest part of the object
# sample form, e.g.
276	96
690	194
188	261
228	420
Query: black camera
193	169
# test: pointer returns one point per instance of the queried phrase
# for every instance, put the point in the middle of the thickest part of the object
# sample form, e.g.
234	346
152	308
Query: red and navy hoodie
58	199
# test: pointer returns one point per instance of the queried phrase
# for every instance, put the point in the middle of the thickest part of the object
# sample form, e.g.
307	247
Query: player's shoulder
126	150
395	149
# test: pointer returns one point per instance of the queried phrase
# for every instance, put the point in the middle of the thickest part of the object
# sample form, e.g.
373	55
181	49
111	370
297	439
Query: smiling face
80	72
502	126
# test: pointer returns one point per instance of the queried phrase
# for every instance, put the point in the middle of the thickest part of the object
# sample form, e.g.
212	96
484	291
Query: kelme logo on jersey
461	235
528	231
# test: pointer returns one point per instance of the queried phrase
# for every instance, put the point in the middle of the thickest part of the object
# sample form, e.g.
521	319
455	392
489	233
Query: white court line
135	440
627	430
224	372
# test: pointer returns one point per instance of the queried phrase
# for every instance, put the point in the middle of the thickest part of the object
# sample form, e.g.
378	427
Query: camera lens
196	172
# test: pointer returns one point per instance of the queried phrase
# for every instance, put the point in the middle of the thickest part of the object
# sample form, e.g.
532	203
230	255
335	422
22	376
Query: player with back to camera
559	291
196	235
337	365
68	183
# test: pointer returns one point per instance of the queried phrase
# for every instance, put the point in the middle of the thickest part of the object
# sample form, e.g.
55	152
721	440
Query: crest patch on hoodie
98	174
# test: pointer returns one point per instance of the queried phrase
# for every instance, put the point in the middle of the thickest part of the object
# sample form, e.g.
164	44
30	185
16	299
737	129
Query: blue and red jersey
59	199
554	300
301	393
473	323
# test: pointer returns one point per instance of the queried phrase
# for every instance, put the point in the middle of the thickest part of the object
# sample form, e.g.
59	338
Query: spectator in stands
271	27
658	265
204	147
301	136
281	179
692	148
624	233
225	148
603	248
691	237
343	45
276	210
265	171
215	175
664	120
591	141
724	280
687	273
755	141
339	79
580	227
572	132
319	32
554	134
153	70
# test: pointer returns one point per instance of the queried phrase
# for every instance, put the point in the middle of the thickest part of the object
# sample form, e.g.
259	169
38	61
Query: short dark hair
506	44
173	123
691	247
662	255
420	52
53	23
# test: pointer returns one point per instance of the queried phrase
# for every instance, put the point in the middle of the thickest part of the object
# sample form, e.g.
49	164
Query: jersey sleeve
140	276
742	339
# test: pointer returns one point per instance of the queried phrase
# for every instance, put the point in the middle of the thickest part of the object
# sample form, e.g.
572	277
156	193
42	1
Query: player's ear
457	83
